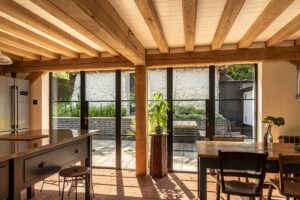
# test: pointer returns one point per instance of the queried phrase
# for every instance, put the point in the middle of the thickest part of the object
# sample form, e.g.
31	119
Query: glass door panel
101	97
128	156
235	101
190	91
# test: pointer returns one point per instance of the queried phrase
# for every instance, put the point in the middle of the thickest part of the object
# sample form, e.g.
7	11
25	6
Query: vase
268	138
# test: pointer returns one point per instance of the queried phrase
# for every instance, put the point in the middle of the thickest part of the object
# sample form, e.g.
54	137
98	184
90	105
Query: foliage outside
191	112
241	71
73	110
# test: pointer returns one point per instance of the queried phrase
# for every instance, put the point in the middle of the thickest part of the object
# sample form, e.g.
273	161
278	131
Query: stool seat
75	171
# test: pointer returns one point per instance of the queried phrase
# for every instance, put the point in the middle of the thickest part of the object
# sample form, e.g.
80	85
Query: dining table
208	157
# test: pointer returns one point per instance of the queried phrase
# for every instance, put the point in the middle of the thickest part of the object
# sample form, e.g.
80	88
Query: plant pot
159	130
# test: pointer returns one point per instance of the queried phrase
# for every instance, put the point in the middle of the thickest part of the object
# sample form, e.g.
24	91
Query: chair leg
228	196
76	187
71	187
270	192
218	191
58	185
42	186
63	189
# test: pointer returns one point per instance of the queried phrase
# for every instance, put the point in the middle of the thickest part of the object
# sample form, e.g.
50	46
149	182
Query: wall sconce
298	83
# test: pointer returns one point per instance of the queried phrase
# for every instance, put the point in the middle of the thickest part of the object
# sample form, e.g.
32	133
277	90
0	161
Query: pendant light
5	60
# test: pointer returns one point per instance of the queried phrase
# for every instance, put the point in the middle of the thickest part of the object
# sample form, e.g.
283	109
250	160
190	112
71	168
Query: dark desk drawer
48	163
4	181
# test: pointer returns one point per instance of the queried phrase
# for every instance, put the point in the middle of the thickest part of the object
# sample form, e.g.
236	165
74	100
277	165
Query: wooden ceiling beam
162	60
12	56
231	11
21	44
223	57
29	36
297	42
19	52
288	30
59	14
148	11
268	15
85	64
189	8
33	76
100	18
22	14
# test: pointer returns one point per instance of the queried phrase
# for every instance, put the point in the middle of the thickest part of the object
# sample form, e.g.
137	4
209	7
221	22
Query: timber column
141	106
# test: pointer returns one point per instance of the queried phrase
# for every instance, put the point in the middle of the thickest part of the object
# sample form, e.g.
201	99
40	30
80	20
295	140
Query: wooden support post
141	120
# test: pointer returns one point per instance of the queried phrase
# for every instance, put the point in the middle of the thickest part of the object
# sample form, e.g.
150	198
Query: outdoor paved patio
104	155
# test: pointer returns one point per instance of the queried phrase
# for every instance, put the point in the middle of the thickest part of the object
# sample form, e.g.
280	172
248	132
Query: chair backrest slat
253	163
288	165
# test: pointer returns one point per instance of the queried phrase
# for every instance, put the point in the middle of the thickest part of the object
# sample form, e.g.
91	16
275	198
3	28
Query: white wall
277	90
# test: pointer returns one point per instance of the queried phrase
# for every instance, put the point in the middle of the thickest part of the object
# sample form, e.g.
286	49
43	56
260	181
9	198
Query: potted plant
158	112
269	120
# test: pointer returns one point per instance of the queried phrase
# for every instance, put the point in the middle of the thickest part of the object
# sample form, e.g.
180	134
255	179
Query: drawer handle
42	164
77	150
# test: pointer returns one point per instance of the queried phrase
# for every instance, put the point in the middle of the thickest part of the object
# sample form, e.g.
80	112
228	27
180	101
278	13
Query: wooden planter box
158	158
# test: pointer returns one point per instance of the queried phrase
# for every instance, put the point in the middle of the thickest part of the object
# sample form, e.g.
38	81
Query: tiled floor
112	184
185	156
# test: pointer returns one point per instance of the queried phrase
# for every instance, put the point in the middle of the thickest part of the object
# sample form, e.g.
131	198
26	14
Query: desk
208	157
28	162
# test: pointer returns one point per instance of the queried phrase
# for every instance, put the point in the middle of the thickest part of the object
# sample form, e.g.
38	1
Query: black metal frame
210	110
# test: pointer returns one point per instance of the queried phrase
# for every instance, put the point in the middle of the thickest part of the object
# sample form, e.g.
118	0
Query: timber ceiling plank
264	20
29	36
59	14
148	11
189	8
231	11
18	52
22	14
100	18
285	32
21	44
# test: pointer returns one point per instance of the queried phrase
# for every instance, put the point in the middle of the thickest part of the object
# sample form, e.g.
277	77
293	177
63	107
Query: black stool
76	174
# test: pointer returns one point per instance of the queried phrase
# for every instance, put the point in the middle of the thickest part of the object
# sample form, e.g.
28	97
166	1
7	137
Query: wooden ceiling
137	32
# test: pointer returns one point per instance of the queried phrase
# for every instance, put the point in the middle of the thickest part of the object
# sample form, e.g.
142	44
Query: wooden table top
211	148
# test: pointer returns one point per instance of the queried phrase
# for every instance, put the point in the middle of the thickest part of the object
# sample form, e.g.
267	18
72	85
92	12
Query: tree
241	71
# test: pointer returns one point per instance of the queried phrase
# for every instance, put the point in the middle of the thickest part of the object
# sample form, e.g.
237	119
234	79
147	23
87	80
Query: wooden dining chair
287	184
229	138
242	164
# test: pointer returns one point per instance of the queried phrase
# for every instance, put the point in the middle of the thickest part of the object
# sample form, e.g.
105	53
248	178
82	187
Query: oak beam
148	11
141	120
231	11
21	44
25	34
268	15
223	57
297	42
189	8
100	17
289	29
59	14
19	52
162	60
22	14
85	64
33	76
12	56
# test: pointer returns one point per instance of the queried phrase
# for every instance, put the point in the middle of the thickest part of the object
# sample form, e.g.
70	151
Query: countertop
14	149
